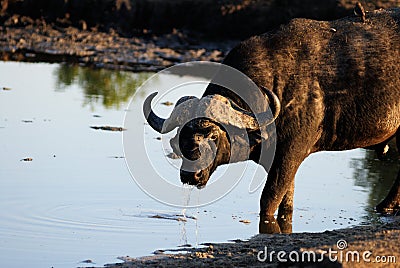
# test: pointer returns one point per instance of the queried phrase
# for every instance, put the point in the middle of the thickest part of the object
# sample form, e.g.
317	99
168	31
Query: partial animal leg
279	188
286	206
381	149
268	225
283	224
392	200
285	211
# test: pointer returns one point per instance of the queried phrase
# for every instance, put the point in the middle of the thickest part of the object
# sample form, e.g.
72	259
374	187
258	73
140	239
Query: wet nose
198	174
191	178
187	177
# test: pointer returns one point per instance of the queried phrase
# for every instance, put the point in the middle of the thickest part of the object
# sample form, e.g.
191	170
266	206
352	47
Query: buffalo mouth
198	178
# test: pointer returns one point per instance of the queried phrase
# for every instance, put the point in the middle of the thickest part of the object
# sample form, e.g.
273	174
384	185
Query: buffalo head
202	138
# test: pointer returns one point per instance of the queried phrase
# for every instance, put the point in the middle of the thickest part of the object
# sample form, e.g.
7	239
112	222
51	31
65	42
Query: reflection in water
376	176
110	86
370	175
282	224
36	207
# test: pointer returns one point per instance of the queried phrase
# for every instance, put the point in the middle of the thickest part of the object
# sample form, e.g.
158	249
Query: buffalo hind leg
380	149
392	201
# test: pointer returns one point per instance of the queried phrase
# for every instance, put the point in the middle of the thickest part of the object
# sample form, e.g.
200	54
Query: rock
87	261
167	103
108	128
159	251
173	156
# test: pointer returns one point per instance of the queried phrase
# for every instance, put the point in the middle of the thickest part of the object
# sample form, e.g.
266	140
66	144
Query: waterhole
74	202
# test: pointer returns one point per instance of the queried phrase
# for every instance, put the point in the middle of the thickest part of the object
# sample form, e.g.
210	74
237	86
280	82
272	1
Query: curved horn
179	115
274	104
154	121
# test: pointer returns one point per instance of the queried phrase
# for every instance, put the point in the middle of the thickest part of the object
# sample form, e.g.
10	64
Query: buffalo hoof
391	208
270	225
381	152
285	223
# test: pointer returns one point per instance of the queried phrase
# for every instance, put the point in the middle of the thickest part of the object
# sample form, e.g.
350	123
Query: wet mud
147	35
381	242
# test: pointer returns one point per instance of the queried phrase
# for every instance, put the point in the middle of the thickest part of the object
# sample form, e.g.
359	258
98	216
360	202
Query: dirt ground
40	42
210	18
361	246
147	35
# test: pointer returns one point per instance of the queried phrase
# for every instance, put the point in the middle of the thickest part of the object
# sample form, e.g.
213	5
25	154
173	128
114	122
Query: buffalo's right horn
275	106
180	115
261	119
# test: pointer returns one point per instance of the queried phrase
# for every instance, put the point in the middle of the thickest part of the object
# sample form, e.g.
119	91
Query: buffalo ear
174	142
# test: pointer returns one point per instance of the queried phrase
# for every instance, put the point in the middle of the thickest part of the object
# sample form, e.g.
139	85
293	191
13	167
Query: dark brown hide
339	87
338	83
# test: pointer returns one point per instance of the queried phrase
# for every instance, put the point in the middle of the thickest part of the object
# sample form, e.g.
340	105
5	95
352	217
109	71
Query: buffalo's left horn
181	113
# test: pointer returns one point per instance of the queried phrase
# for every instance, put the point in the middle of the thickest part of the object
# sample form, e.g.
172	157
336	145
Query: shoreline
360	246
146	35
37	41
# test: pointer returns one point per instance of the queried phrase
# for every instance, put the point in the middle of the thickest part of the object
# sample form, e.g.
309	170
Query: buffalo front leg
283	224
278	193
392	200
285	210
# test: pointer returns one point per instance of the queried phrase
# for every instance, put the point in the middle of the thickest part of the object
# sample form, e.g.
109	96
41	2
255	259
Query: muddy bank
361	246
146	35
40	42
226	18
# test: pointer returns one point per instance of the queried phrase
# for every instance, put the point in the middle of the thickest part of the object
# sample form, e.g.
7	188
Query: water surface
75	201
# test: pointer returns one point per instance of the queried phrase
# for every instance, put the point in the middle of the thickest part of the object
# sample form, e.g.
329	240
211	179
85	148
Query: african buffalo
331	86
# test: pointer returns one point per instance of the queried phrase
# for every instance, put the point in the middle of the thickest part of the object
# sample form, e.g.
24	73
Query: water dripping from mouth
197	227
186	191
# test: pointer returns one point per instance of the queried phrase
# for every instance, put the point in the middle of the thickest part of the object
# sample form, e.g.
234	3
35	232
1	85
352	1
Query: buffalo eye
198	137
214	136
